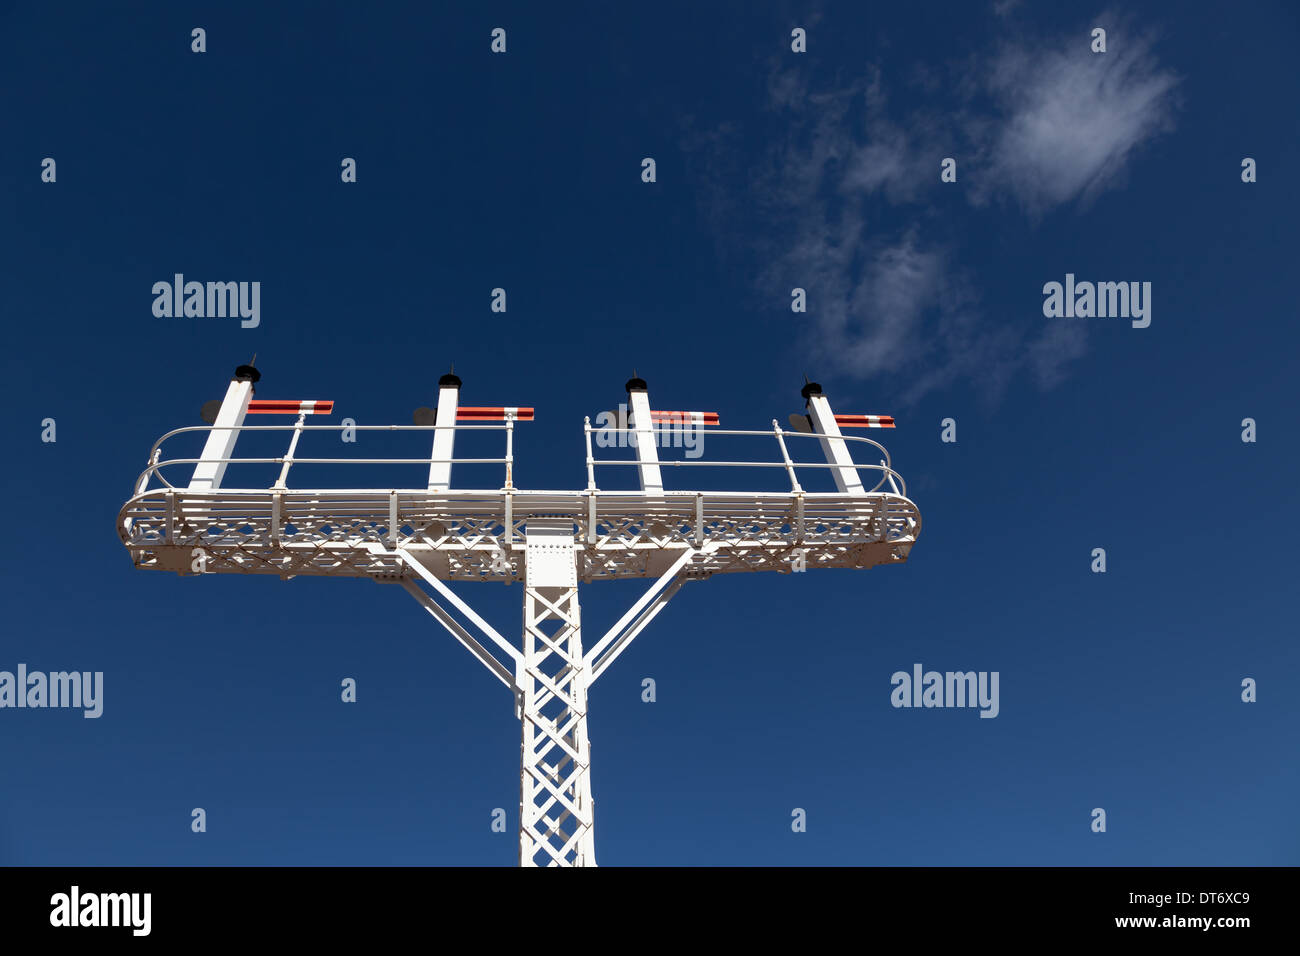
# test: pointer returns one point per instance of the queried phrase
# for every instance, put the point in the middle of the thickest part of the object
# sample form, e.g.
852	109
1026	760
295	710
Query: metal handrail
887	473
324	428
155	469
885	467
156	463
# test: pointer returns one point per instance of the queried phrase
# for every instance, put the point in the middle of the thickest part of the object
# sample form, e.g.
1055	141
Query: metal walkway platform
462	536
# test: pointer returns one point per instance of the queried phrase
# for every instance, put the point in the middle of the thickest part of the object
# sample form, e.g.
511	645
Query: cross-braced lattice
555	803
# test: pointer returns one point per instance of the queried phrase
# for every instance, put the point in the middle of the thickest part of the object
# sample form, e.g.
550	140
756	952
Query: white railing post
288	457
510	448
789	465
591	461
143	483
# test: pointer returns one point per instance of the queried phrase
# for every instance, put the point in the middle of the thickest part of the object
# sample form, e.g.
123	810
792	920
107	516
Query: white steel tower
551	541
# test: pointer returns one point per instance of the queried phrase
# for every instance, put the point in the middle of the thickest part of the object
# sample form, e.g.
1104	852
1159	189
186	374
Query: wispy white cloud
1071	119
1040	125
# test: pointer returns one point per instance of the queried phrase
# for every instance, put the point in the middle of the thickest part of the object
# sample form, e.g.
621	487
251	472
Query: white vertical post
221	439
647	452
511	414
785	455
288	457
832	442
444	439
591	462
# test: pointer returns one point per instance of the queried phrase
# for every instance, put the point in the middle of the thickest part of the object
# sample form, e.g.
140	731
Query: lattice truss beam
477	536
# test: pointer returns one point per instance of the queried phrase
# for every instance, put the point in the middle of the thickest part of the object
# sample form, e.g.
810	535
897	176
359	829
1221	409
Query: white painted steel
436	536
444	439
833	445
211	466
647	454
555	803
293	446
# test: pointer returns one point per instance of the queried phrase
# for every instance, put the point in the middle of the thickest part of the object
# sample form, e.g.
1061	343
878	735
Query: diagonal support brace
460	633
443	617
637	626
618	637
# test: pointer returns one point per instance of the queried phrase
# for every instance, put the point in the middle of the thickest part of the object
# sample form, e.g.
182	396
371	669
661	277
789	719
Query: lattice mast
551	541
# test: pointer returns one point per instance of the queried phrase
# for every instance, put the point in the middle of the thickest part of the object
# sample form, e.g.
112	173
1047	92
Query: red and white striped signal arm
865	421
684	418
270	407
505	413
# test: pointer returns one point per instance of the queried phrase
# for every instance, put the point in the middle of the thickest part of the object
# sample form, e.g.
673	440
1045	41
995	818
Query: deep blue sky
775	170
